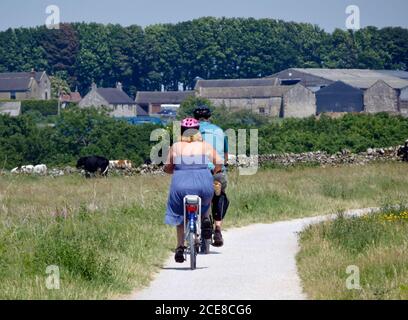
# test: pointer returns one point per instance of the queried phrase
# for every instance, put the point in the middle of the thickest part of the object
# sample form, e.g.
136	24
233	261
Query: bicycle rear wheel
193	251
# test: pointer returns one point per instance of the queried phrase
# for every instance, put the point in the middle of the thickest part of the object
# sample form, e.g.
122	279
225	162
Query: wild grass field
108	237
377	244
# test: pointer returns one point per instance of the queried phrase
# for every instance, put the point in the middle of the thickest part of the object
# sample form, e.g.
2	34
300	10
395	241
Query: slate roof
359	78
115	96
395	73
340	87
158	97
308	80
17	81
232	83
72	97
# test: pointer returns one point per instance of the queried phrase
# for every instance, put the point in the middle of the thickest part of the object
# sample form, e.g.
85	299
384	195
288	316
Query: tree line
173	55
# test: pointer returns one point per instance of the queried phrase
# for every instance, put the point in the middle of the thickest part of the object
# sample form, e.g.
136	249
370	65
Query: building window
13	95
46	95
262	110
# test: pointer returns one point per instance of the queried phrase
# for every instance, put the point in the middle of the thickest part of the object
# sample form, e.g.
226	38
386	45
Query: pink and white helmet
190	123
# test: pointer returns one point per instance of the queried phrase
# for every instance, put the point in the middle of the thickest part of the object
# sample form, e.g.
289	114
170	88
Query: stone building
298	102
115	99
272	100
381	97
25	85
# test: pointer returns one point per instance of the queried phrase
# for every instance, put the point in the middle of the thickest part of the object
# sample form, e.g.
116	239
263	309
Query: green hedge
80	132
45	107
355	132
77	132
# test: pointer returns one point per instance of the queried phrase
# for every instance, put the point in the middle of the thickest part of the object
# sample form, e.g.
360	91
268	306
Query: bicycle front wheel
193	251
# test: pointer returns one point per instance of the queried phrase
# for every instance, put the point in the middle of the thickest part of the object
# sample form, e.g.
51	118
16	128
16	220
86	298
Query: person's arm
226	159
214	158
226	150
169	165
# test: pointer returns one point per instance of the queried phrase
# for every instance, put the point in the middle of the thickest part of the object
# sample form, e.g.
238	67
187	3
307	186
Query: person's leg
218	224
218	239
179	256
180	235
220	186
206	227
217	215
220	204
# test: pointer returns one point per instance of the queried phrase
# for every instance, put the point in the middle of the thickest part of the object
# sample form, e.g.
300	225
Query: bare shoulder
207	146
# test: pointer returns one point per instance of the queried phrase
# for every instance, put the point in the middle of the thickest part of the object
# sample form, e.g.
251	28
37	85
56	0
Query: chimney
32	73
119	86
93	86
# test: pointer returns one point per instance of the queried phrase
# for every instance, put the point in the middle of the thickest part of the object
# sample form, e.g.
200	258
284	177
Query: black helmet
202	112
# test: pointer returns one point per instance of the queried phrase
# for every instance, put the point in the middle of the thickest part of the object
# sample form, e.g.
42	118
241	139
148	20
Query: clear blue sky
328	14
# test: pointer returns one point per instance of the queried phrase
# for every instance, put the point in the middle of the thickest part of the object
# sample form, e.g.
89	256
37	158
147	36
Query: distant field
108	237
377	244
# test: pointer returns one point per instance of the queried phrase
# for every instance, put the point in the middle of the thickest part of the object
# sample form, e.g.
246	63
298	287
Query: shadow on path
183	268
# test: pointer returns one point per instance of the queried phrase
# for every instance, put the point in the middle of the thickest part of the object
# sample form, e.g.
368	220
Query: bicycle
192	228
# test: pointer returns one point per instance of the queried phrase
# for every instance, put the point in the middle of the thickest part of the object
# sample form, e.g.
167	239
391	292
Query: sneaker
218	240
179	256
206	228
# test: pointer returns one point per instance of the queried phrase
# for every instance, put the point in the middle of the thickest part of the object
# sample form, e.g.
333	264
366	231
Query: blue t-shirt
215	136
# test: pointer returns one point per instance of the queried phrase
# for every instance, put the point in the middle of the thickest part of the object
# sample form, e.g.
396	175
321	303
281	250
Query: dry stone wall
287	159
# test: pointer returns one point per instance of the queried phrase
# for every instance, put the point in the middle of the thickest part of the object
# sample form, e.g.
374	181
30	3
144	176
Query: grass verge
376	244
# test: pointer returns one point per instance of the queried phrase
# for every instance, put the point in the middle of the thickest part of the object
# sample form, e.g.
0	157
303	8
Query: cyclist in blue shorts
216	137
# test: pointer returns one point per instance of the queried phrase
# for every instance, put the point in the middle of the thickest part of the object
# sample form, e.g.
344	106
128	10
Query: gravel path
256	262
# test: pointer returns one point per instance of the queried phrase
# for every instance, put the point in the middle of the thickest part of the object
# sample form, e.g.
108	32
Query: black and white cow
93	164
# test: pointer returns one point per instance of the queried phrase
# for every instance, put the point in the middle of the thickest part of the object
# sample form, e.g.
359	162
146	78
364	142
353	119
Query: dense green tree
61	48
94	61
169	55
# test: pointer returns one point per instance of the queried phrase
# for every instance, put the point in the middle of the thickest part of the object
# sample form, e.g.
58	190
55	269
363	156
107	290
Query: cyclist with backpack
216	137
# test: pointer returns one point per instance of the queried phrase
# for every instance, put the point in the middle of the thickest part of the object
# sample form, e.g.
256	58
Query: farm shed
339	97
316	79
382	88
274	101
